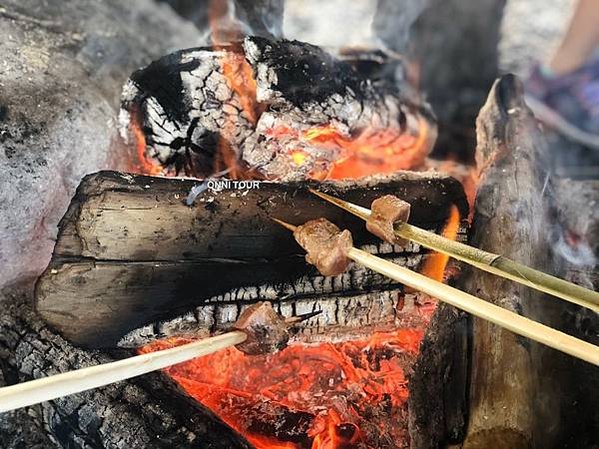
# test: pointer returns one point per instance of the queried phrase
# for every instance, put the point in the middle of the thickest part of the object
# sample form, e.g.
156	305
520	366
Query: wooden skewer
64	384
489	262
476	306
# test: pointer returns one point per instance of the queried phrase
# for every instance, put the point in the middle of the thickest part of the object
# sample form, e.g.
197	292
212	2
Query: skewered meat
385	212
327	246
267	331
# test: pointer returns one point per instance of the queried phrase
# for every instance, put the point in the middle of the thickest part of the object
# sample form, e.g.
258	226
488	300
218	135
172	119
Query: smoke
231	20
393	22
383	24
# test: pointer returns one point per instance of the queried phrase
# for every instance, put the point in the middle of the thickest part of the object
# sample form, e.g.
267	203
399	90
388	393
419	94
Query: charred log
131	243
438	400
264	101
149	411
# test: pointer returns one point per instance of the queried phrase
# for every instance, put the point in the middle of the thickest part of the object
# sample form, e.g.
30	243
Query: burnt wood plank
117	216
131	252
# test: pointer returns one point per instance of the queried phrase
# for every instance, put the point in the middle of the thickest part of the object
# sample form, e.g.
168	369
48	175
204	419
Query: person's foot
568	103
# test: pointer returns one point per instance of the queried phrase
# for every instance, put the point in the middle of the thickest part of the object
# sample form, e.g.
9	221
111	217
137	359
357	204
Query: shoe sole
555	120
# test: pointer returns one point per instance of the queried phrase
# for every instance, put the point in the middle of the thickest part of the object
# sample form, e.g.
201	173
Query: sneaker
569	103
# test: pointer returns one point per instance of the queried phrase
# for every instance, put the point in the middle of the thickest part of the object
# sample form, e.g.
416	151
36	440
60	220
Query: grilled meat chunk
386	211
327	246
267	331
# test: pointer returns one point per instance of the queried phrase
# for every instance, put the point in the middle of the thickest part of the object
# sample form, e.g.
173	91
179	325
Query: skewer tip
293	320
286	225
352	208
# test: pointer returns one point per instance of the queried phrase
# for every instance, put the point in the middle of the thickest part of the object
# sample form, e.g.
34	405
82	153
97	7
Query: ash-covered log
131	252
284	109
151	411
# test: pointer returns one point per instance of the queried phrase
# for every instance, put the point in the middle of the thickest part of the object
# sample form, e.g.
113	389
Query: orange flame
435	264
318	396
240	79
143	164
373	151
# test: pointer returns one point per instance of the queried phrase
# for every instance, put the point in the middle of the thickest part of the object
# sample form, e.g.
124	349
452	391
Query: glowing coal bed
327	395
351	394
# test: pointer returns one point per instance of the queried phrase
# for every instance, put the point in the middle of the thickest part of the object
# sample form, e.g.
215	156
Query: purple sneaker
568	103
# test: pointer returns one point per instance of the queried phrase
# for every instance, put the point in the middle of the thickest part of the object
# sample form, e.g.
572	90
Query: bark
149	411
130	243
510	214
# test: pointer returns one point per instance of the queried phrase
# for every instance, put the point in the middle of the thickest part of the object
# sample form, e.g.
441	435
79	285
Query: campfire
283	248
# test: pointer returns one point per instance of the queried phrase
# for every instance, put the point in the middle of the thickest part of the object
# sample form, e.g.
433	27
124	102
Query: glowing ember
321	396
372	152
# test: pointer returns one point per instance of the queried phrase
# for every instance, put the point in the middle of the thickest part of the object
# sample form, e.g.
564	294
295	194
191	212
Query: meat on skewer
266	330
385	212
326	245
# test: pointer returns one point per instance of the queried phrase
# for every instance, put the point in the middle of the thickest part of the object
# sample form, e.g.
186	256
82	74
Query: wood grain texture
131	252
509	218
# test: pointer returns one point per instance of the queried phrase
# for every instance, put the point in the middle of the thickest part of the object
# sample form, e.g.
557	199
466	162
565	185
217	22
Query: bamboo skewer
64	384
509	320
489	262
49	388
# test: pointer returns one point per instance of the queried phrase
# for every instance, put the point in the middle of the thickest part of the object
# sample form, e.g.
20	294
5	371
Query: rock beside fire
63	67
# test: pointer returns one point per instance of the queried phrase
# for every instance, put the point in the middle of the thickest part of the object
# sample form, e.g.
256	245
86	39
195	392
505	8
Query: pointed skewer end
286	225
294	320
352	208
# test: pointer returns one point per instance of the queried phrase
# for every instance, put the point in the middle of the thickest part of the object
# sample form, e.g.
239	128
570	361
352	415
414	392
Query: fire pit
221	139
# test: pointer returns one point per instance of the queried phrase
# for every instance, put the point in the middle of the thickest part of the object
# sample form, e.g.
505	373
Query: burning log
135	245
284	109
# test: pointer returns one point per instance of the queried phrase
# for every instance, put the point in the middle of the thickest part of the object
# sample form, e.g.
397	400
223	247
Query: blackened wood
130	251
118	216
439	384
150	411
510	216
183	109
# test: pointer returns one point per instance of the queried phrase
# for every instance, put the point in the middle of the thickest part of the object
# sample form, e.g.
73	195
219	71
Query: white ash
360	314
367	298
60	87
